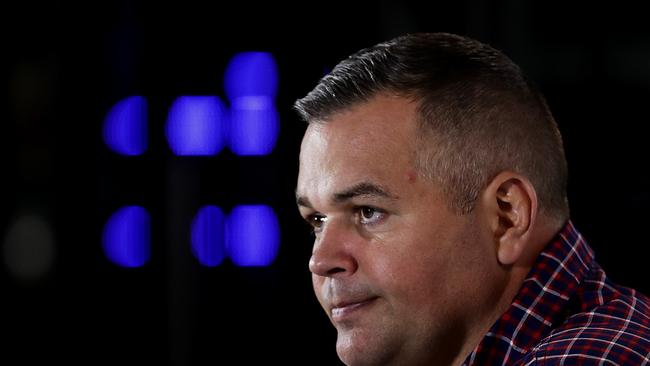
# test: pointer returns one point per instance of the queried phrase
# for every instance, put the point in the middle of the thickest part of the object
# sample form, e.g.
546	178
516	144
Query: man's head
423	169
477	113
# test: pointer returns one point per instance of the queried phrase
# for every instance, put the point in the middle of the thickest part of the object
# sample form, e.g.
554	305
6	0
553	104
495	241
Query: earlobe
514	207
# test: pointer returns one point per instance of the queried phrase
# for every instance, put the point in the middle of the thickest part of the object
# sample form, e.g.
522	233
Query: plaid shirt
568	312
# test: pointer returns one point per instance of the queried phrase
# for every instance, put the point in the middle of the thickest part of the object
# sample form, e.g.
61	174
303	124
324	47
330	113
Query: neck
514	277
483	325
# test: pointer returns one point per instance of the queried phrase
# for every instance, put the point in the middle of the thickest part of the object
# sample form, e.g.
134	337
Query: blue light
196	125
125	126
251	83
208	236
254	125
252	235
251	73
127	238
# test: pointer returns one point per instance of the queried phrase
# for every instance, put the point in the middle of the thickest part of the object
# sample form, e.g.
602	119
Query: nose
333	253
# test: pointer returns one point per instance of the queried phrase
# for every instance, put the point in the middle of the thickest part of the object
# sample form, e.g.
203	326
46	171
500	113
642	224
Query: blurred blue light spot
127	237
125	126
208	236
251	73
251	83
252	235
196	125
254	125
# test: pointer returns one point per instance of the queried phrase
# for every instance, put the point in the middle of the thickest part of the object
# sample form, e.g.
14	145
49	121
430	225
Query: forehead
374	141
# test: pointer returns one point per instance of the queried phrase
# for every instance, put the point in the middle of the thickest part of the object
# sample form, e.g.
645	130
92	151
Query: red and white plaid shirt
568	312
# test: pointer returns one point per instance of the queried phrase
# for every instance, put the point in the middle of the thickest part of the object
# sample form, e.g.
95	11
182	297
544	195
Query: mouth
345	309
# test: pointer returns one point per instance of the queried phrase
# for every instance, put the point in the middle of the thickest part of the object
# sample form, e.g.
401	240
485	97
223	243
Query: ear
511	206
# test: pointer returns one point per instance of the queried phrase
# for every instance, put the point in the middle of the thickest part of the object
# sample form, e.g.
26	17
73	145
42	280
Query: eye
316	222
370	215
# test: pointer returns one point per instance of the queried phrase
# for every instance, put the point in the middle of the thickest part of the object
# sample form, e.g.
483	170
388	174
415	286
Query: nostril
335	270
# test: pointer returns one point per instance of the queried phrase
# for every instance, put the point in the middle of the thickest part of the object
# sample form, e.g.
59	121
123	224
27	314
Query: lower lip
347	311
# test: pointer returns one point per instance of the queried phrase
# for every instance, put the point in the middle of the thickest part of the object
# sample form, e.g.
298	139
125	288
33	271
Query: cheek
421	278
409	267
421	265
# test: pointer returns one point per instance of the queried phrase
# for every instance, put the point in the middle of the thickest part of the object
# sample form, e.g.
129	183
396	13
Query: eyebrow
303	201
359	189
362	189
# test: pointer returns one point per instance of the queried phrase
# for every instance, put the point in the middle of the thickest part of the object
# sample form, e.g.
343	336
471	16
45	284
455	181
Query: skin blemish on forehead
411	176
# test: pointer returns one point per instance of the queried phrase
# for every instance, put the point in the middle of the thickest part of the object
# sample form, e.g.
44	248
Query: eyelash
317	220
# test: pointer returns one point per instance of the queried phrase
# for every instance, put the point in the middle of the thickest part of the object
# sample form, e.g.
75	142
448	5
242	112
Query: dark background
66	65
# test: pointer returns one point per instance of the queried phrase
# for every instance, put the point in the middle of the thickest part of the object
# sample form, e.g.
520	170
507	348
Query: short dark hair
478	113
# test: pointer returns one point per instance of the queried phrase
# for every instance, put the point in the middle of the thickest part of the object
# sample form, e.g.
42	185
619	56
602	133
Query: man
434	178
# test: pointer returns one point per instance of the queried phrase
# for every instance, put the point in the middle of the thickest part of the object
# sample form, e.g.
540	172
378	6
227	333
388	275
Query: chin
357	349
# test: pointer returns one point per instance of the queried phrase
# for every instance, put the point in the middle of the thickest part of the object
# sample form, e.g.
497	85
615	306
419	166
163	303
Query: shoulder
616	332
